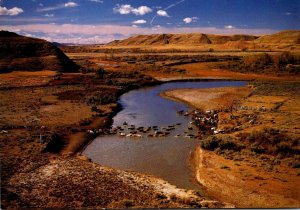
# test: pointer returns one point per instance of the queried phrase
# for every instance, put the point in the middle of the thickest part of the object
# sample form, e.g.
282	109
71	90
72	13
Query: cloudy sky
100	21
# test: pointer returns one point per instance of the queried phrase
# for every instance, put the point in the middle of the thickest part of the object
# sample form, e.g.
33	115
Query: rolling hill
284	40
280	38
182	39
31	54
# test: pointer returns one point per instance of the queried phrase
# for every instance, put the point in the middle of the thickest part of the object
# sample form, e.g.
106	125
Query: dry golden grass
25	78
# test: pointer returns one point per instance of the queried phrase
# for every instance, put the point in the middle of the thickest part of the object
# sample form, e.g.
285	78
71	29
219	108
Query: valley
57	101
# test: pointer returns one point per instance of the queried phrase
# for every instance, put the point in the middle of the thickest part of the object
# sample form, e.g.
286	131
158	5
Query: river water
165	157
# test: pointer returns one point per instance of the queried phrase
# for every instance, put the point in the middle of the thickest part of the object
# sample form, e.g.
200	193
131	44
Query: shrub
109	82
284	147
127	203
94	109
257	149
286	58
229	145
210	143
257	60
100	73
271	141
159	196
220	143
55	144
262	63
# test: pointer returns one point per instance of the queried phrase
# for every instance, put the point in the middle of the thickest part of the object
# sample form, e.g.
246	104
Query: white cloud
142	10
139	22
229	27
71	4
288	13
59	6
134	26
190	19
126	9
123	9
11	12
162	13
49	15
70	33
96	1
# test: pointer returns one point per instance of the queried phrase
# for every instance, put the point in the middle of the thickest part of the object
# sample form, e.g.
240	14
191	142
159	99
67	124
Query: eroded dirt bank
253	162
245	185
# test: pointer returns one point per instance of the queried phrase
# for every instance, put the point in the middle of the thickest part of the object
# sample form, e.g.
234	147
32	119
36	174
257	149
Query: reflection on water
165	157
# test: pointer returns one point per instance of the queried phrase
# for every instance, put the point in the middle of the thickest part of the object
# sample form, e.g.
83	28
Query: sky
101	21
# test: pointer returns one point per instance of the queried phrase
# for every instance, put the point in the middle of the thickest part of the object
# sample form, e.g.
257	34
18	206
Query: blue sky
98	21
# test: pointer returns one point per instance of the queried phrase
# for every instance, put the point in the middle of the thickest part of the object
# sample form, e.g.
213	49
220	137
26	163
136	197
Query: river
165	157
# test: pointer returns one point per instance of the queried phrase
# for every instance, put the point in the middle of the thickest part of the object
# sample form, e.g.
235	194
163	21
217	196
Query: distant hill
280	38
31	54
286	40
182	39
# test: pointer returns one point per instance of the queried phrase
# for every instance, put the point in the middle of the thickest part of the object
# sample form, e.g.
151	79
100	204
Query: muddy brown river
165	157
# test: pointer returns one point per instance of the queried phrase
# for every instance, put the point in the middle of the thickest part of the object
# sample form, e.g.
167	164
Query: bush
94	109
284	147
210	143
271	141
109	82
127	203
264	63
55	144
229	145
222	143
100	73
257	149
286	58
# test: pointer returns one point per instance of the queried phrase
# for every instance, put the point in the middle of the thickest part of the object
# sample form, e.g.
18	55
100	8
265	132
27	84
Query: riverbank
46	119
74	182
208	98
241	162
